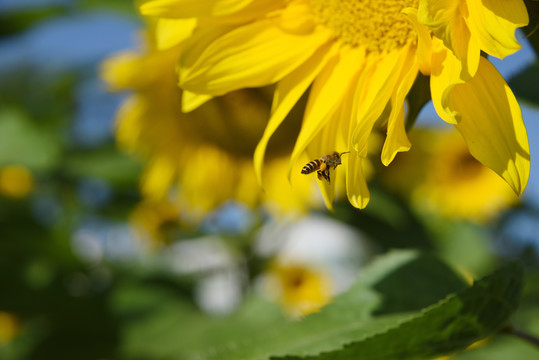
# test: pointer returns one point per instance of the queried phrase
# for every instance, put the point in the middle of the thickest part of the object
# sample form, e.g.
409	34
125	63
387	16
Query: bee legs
323	174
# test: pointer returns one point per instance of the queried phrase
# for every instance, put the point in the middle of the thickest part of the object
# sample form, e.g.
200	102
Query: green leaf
341	330
450	325
400	281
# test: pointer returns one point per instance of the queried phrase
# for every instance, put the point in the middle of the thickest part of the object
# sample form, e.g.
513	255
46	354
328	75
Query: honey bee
323	165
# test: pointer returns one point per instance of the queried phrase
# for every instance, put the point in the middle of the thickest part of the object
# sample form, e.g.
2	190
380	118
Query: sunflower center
377	25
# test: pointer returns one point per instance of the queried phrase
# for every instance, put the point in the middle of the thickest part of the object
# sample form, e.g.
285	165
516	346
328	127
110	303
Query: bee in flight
323	165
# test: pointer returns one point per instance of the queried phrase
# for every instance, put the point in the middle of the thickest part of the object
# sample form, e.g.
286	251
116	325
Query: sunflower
358	59
194	162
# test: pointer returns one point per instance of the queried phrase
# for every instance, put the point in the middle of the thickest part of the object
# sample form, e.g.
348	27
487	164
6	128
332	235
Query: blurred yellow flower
442	177
359	59
16	181
156	220
9	327
201	159
300	289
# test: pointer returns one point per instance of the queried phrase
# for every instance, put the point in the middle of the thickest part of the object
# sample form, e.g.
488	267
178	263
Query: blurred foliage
67	299
524	83
533	26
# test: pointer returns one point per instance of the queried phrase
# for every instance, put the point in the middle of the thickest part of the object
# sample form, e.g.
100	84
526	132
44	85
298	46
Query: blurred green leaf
19	20
532	30
509	347
524	85
23	142
160	324
409	280
124	6
462	244
104	163
388	221
500	348
418	96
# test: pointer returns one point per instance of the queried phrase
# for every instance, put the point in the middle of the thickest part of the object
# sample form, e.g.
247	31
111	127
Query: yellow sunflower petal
128	122
397	140
446	20
157	178
326	96
255	10
493	23
424	42
374	89
328	193
356	185
491	123
191	101
297	18
287	93
122	71
171	32
326	142
191	8
445	74
323	147
439	15
253	55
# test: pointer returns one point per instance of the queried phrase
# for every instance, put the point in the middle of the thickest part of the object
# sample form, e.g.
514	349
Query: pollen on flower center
378	25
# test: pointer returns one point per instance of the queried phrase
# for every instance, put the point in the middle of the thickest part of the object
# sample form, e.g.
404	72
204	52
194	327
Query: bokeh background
89	269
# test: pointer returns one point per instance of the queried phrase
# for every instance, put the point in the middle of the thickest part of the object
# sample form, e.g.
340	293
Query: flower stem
532	339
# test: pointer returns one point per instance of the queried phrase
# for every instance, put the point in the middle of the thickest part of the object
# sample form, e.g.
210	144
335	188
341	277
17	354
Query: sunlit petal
374	89
326	142
253	55
191	101
171	32
446	19
397	140
445	74
287	93
493	23
326	96
424	42
491	123
356	185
